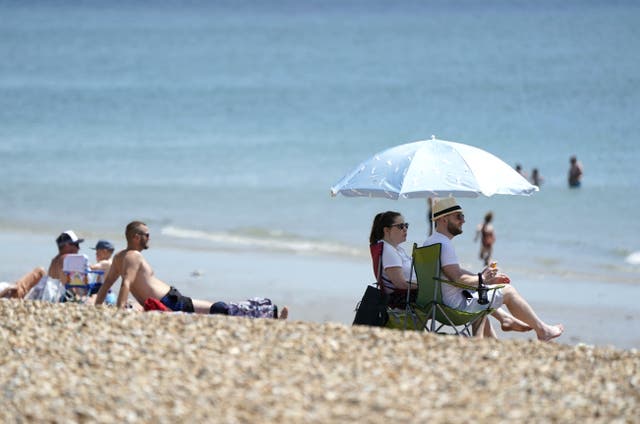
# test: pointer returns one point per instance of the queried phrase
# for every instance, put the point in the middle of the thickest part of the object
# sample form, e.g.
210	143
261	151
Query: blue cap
104	244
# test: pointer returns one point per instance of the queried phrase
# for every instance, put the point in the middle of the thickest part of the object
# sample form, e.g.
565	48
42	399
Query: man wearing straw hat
449	218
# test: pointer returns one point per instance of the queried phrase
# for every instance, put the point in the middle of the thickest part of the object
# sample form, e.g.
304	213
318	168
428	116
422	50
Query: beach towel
255	307
152	304
48	289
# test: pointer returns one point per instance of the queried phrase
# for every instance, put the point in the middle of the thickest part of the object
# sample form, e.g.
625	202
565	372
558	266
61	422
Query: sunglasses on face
459	216
144	234
401	226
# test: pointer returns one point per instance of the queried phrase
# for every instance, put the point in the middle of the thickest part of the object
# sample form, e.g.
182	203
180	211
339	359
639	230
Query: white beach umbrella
432	168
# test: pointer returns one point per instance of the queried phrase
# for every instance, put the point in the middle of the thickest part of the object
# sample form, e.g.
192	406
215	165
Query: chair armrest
466	287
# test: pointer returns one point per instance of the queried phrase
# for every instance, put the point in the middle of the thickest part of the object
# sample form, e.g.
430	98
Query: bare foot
284	313
510	323
550	332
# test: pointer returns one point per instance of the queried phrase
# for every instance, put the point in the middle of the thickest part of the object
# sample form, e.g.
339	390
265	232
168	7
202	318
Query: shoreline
323	289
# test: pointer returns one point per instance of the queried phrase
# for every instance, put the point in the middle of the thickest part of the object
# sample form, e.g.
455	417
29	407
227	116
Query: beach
326	289
73	363
223	126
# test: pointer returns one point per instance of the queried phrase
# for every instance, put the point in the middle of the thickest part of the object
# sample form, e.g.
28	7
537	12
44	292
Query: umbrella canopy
432	168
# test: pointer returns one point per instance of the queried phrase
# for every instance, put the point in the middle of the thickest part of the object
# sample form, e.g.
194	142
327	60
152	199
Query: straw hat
444	207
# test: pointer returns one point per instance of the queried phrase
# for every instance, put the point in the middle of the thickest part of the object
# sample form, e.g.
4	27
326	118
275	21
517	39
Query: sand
77	363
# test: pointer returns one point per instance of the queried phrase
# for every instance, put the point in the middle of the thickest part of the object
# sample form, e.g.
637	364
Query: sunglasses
144	234
402	226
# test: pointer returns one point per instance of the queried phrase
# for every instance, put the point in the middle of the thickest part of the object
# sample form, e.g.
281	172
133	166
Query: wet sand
75	363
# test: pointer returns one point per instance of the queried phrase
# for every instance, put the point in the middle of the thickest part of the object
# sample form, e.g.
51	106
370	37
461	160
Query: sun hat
68	237
103	244
444	207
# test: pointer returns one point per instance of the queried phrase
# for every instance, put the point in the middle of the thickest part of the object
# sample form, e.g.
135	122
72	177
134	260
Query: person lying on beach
390	228
68	243
138	279
20	288
449	218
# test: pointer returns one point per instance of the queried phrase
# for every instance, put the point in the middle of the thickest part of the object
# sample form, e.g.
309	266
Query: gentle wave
634	258
257	239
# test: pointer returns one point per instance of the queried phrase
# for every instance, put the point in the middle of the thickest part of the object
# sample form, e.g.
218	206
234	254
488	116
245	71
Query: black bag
372	309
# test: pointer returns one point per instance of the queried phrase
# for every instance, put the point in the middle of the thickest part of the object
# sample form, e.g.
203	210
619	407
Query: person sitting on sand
389	227
68	243
449	218
138	279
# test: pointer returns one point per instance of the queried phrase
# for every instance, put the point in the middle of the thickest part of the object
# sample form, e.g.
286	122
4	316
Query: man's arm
102	265
453	272
130	267
111	278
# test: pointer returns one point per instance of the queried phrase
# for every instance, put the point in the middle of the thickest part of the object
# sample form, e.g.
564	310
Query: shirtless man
68	243
138	279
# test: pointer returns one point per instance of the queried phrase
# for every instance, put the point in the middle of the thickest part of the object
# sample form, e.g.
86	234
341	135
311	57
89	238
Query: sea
223	124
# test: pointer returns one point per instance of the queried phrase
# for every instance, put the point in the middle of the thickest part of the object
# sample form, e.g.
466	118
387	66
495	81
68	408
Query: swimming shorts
175	301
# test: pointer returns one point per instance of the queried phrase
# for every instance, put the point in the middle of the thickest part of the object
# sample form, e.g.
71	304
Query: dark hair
381	220
488	217
132	229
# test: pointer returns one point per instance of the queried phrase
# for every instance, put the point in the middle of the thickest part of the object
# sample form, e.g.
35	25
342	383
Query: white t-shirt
451	295
393	257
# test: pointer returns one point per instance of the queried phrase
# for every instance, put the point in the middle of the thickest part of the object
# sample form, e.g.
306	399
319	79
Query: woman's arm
397	277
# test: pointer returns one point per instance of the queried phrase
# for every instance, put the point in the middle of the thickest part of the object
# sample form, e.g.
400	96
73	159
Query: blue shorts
175	301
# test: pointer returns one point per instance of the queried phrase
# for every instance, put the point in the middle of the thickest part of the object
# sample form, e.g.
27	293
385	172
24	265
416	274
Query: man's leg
482	329
508	322
521	310
201	306
27	281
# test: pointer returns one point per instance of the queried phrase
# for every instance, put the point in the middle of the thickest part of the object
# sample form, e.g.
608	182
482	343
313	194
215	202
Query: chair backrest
426	263
376	260
75	267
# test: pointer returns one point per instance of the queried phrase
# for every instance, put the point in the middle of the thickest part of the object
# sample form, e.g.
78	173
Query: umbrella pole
429	215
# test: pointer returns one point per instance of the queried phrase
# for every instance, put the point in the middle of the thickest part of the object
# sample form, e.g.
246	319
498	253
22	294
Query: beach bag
47	289
372	309
256	307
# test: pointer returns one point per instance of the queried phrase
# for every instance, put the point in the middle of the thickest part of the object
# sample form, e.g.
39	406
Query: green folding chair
438	316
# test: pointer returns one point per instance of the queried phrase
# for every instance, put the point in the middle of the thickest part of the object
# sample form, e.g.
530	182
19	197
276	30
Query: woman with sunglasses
389	227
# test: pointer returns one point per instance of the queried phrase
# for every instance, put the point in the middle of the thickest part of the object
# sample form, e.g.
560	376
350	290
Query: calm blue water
224	124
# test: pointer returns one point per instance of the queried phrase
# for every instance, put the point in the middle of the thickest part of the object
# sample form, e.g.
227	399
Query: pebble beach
78	363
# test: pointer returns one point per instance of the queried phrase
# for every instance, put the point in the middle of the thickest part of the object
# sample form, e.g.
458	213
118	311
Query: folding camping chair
426	262
79	284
